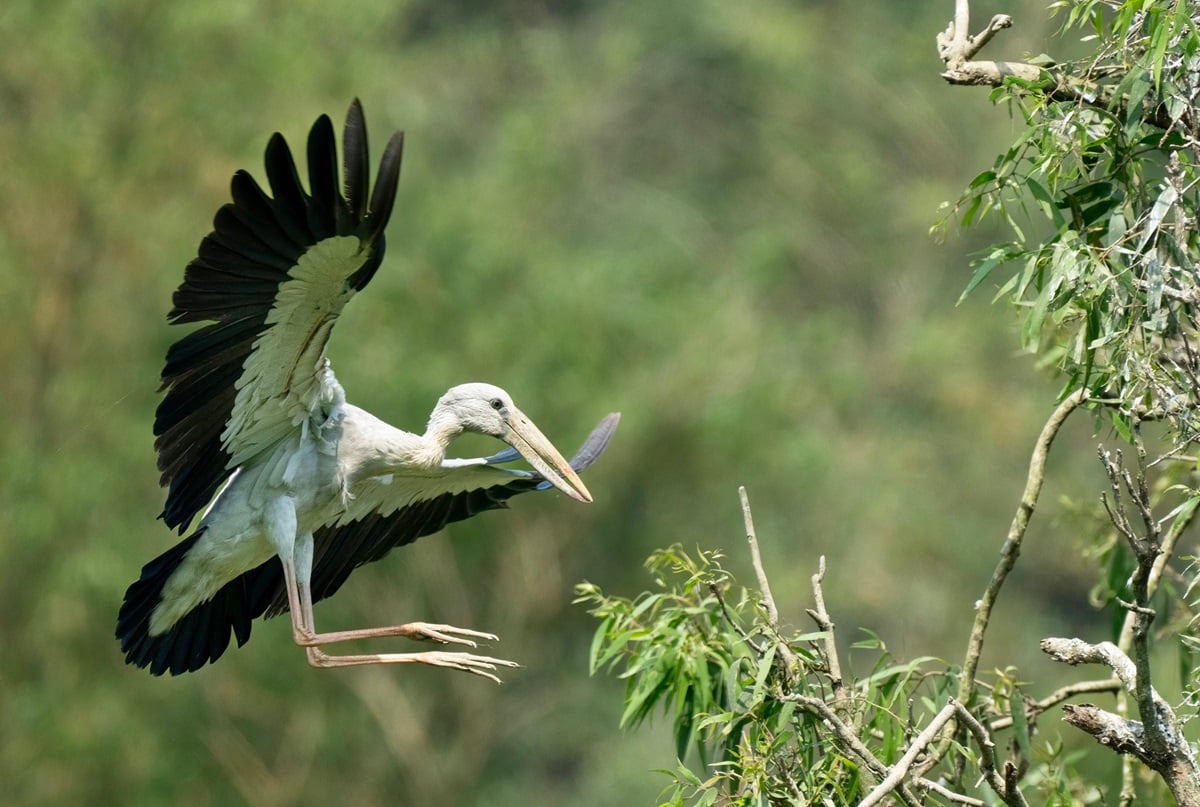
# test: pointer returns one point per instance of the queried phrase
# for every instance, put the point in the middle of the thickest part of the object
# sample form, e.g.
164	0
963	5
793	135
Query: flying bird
299	487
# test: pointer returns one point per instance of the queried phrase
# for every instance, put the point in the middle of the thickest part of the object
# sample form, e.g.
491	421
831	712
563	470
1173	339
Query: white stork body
318	483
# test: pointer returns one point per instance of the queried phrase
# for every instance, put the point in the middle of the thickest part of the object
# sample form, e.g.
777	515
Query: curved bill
539	452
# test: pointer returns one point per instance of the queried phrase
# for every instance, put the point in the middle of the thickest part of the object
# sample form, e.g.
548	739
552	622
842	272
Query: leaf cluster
1099	193
767	721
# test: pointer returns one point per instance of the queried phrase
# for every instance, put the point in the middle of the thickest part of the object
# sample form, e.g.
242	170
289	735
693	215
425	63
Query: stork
302	487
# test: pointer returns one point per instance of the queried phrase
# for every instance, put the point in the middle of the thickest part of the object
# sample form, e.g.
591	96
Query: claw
448	634
465	662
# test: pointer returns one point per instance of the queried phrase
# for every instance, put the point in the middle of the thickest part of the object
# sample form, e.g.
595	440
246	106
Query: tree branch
791	663
1058	696
825	624
956	47
1157	740
1011	549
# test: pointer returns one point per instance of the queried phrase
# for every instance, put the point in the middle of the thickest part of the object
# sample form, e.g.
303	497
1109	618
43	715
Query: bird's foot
484	666
446	634
466	662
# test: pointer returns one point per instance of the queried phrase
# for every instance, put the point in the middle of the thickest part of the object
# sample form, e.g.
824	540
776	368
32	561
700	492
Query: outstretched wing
271	278
382	519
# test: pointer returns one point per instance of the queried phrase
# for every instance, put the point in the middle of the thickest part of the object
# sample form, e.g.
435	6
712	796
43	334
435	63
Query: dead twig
791	663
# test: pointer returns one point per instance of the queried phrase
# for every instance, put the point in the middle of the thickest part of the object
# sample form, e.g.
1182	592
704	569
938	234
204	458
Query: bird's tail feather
202	634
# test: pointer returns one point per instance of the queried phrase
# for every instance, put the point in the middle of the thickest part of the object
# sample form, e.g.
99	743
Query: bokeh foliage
710	216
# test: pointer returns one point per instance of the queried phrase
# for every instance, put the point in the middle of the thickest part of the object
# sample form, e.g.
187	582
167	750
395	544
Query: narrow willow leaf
1046	203
1154	284
984	269
760	680
1117	227
598	642
1162	205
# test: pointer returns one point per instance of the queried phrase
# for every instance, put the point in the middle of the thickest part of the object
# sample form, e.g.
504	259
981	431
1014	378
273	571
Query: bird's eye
497	404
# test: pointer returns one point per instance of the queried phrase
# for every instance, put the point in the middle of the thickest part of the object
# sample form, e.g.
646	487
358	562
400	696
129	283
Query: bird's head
487	409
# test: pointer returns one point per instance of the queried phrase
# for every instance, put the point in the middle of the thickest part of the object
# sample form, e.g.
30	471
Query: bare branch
1011	549
950	795
956	47
1157	740
1058	696
764	585
901	769
1108	729
1005	788
791	663
1166	550
1077	651
825	624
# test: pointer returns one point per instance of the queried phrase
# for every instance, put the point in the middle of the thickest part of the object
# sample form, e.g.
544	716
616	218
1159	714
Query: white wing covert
271	279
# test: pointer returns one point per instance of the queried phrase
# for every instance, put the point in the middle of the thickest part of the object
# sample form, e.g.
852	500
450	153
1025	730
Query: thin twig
825	624
901	768
791	663
716	592
1058	696
1005	788
1169	540
764	585
950	795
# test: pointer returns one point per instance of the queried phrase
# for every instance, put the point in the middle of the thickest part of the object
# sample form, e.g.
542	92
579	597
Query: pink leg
305	635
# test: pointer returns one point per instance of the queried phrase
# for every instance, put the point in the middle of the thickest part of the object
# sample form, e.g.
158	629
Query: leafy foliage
1099	190
768	719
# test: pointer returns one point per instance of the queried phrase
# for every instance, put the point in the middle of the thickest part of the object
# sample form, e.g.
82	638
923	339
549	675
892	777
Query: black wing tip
383	199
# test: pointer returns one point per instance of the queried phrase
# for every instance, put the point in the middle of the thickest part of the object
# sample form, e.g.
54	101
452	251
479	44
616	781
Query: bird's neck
371	447
441	429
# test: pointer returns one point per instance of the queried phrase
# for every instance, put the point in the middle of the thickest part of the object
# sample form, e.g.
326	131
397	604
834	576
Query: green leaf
645	694
685	775
1046	203
764	670
1162	205
983	269
1121	424
598	642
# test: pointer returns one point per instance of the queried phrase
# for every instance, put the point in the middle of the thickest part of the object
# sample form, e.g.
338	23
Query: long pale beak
539	452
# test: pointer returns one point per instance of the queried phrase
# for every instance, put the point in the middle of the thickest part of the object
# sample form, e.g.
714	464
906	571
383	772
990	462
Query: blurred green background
711	216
